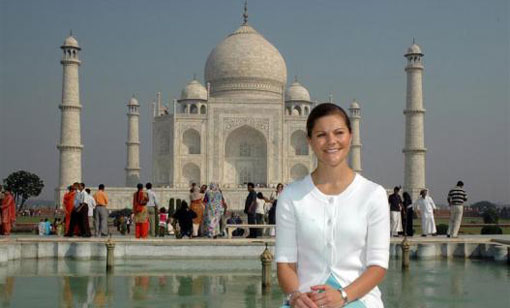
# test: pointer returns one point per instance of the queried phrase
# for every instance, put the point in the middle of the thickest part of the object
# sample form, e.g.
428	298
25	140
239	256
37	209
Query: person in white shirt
91	203
260	212
426	207
152	208
333	226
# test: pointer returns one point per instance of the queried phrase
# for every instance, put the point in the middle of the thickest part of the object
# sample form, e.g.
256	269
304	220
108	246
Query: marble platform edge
130	248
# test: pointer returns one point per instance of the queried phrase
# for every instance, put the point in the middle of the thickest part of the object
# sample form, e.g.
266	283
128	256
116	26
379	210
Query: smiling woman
332	227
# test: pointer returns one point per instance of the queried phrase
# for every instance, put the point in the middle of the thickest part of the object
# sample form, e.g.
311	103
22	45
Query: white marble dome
133	101
354	105
70	41
245	61
414	49
296	92
194	90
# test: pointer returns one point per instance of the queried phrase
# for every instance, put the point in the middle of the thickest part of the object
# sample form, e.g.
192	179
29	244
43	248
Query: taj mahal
243	124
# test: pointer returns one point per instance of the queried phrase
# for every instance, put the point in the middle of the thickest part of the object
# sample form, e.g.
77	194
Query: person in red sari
8	208
140	199
68	203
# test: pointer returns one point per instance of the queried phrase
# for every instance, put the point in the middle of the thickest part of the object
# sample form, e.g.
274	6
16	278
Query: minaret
133	144
355	157
70	146
414	151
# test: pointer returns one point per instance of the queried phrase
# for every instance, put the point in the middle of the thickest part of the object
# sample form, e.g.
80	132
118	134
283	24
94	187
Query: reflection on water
232	283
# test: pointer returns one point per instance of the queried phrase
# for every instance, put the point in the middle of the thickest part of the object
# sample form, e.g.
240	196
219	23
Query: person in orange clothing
140	199
197	206
8	208
68	203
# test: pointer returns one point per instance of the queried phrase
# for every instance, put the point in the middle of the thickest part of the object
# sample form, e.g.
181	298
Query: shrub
490	216
123	212
442	229
491	230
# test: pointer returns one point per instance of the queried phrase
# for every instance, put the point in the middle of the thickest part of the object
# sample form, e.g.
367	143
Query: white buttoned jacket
339	235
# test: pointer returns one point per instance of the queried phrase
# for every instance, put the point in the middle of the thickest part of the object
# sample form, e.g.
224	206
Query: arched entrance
245	157
191	142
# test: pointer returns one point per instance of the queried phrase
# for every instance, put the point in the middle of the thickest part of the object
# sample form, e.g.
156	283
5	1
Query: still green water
233	283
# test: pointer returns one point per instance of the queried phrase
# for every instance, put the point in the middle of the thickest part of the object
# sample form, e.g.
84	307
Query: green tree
482	206
490	216
24	185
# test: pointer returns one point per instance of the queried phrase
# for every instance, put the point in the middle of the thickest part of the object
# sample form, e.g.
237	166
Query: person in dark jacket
250	207
184	216
408	223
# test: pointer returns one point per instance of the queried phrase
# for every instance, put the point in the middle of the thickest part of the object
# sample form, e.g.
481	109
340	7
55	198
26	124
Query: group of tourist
7	211
206	214
84	212
45	227
402	212
261	210
203	217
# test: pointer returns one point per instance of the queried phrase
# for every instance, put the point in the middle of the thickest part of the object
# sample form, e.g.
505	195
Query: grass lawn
32	219
465	221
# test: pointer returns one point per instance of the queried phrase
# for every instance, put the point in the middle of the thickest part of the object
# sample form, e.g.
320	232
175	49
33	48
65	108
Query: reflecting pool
233	283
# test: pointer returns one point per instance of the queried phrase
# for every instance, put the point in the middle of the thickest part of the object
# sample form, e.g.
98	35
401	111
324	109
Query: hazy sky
351	49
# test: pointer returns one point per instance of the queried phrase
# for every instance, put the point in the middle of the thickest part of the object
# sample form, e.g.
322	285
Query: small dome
296	92
245	61
133	101
71	42
414	49
354	105
194	90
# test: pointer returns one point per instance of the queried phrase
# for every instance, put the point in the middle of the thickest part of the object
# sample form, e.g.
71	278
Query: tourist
79	215
59	227
236	220
91	204
101	216
395	212
41	227
1	199
223	223
129	222
203	228
260	212
271	214
426	207
274	200
197	206
184	216
333	226
203	189
213	210
152	209
123	224
162	222
141	219
408	205
68	203
47	226
250	208
456	198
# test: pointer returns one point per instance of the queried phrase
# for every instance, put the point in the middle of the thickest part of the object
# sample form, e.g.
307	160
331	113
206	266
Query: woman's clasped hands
321	296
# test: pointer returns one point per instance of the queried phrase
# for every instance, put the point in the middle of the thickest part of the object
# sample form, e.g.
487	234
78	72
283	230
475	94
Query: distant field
465	221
